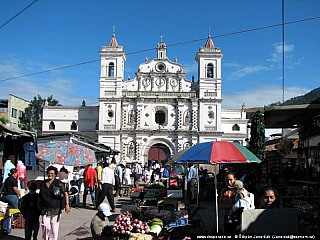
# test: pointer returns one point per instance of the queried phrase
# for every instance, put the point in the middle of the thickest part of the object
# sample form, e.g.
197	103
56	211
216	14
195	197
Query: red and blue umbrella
215	152
65	153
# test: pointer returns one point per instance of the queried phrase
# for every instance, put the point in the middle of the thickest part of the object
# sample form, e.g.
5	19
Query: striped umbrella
214	152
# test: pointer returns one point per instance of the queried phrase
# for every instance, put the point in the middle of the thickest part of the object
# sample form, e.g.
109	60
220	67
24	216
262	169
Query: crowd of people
56	193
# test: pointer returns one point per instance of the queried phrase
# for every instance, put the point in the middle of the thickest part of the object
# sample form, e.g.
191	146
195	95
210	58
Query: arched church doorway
159	152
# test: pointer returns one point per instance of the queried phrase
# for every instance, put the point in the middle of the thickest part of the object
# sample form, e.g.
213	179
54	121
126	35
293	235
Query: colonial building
159	112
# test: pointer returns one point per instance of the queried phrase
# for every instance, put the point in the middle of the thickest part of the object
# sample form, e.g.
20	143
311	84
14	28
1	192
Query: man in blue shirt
137	172
191	183
118	178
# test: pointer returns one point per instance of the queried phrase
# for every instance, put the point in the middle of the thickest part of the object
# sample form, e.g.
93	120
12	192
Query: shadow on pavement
11	237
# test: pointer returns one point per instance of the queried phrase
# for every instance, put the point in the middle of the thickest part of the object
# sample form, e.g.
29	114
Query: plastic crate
174	193
178	223
18	222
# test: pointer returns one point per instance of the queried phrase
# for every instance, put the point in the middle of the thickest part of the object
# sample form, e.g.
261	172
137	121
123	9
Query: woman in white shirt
127	176
148	174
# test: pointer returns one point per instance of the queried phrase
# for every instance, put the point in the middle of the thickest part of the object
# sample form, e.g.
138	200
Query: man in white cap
100	228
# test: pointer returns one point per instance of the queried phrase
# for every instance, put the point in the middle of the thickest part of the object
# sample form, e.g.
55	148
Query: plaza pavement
76	224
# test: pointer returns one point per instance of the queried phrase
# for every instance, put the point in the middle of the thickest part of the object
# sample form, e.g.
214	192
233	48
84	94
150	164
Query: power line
170	45
18	14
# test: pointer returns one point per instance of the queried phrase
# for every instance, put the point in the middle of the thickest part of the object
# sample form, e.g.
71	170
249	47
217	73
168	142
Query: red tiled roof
209	43
113	42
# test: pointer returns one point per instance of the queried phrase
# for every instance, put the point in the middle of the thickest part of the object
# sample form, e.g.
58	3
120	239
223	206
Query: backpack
166	173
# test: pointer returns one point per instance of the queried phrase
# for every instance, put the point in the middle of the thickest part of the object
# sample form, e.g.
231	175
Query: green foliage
32	119
257	139
304	99
4	120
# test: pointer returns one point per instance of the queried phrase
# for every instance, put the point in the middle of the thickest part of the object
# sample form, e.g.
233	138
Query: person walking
137	172
118	172
52	200
90	180
147	174
107	181
191	183
30	212
127	176
81	178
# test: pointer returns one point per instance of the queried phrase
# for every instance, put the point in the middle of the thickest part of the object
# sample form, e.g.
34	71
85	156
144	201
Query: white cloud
190	68
276	56
65	90
259	96
246	71
233	65
10	68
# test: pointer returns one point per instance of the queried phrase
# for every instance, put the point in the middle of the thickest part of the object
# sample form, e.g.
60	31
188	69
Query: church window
210	70
132	116
73	126
110	114
52	126
160	117
235	127
111	70
211	115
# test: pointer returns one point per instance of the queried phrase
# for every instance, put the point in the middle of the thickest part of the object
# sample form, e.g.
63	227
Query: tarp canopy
291	115
14	131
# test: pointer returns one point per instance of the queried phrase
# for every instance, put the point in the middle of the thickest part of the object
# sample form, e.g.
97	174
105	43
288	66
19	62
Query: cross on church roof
161	37
113	28
209	28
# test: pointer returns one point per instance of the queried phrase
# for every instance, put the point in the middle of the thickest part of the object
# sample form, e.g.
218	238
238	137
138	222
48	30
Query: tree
257	139
4	120
32	119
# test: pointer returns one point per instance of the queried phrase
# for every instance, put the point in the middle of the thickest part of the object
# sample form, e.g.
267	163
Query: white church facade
159	112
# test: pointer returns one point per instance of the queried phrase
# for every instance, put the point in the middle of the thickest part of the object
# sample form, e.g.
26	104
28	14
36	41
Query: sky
54	33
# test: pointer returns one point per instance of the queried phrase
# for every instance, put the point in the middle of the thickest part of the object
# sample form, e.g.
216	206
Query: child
73	194
30	211
243	200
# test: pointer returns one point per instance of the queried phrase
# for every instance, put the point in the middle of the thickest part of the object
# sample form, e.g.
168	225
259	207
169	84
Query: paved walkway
76	224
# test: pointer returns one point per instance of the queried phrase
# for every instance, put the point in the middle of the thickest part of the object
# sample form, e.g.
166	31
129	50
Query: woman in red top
226	200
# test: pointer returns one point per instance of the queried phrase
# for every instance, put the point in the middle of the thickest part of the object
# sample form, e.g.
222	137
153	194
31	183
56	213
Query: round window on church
160	67
110	114
211	115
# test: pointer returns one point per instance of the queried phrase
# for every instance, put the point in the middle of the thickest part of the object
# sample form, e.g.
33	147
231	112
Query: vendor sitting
100	228
73	194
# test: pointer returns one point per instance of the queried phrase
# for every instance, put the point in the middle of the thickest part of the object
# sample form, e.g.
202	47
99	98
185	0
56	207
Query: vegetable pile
125	224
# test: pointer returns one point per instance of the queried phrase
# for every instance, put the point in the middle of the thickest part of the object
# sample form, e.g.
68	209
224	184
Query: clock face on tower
174	82
146	82
160	82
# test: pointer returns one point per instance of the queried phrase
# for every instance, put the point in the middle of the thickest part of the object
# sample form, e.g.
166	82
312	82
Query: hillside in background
307	98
